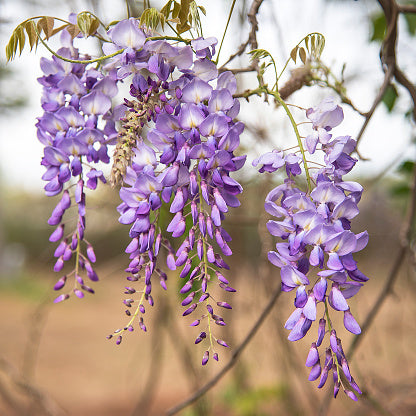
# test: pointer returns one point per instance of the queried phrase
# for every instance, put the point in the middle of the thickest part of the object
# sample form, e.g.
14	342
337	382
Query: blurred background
55	358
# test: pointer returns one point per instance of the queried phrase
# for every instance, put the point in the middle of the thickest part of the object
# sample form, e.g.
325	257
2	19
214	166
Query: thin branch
299	77
36	326
155	369
404	81
386	82
45	403
405	237
252	36
407	8
237	352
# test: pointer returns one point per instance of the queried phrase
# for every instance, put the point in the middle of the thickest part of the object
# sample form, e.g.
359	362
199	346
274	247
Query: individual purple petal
333	341
319	290
309	310
292	277
345	368
313	356
60	283
57	234
349	289
214	125
196	91
190	309
300	329
334	262
222	343
60	298
301	297
354	385
315	372
190	116
326	115
321	331
126	33
95	103
362	241
293	318
350	394
343	243
350	323
205	358
178	201
337	300
327	192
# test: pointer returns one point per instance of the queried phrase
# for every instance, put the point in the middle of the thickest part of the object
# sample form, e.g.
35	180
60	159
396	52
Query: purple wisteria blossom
183	160
316	247
75	98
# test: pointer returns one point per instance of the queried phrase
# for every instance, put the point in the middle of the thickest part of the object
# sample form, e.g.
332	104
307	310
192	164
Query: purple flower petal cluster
315	254
75	98
183	159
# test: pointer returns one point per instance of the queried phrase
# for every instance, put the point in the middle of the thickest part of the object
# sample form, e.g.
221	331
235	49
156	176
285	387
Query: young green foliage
314	44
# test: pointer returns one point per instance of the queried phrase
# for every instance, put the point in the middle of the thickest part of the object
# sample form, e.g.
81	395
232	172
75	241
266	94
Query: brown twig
386	82
252	36
155	369
186	359
36	326
406	8
45	403
237	352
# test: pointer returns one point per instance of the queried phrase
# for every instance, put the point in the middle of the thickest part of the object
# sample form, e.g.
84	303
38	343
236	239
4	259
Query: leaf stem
225	30
276	95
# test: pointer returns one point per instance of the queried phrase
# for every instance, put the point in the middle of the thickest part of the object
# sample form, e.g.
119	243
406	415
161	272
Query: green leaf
406	167
73	30
258	53
302	55
378	22
87	23
151	18
400	190
294	53
184	12
203	10
194	18
95	24
46	24
11	47
31	33
21	37
410	22
389	97
165	10
176	10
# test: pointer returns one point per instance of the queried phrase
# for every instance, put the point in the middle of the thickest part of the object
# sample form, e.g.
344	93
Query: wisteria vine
174	145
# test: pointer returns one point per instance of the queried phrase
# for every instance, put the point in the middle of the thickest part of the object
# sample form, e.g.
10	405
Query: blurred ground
61	349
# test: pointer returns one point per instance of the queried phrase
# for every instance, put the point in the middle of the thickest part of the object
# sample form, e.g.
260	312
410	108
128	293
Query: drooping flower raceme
315	254
175	138
75	98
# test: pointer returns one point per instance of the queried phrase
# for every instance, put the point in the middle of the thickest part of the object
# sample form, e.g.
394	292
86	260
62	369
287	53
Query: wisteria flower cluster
175	137
315	254
71	129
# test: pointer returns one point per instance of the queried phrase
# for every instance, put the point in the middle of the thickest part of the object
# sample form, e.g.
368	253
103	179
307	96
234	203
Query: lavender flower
74	98
316	251
184	159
